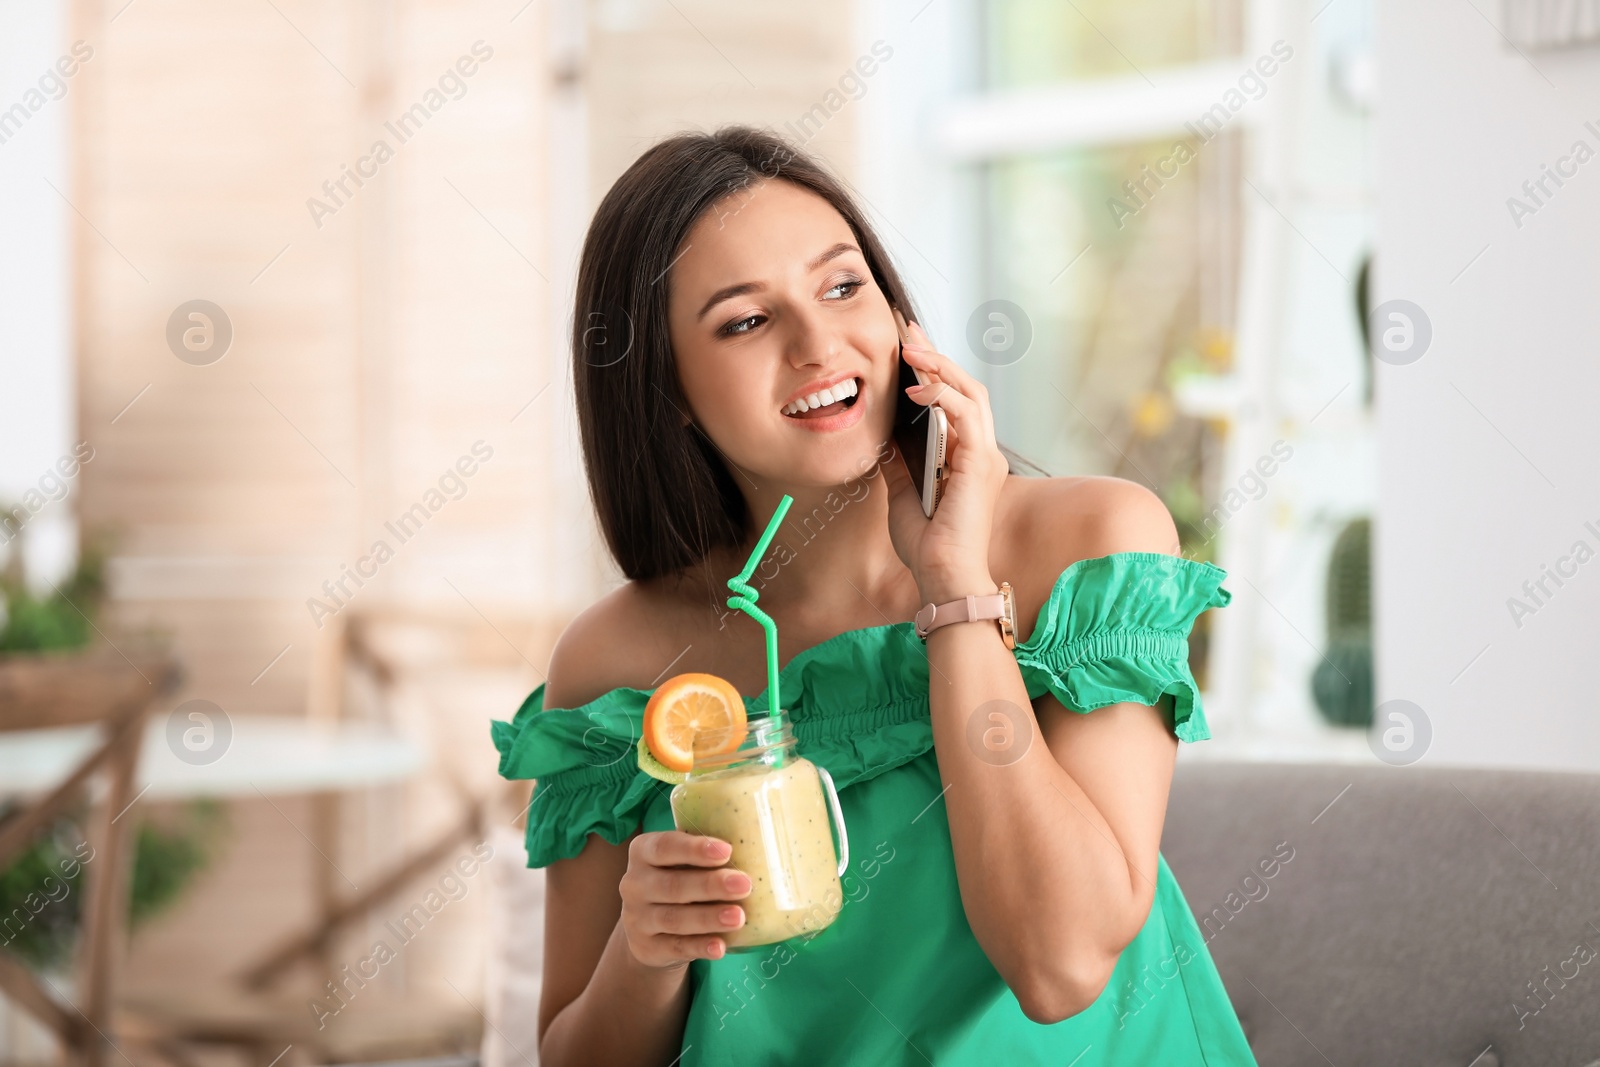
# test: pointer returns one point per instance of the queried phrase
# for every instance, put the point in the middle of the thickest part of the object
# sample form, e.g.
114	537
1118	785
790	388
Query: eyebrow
731	291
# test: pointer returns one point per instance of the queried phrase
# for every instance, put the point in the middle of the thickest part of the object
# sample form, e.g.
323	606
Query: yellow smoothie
776	819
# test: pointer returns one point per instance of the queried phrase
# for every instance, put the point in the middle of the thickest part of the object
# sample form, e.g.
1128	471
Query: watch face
1008	622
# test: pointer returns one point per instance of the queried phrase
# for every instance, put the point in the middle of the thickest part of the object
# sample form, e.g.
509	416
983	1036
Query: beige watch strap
968	609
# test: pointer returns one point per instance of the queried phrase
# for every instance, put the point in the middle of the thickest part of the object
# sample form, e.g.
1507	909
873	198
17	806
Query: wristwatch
1001	606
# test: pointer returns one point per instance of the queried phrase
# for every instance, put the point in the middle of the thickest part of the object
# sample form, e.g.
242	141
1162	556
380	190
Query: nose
811	340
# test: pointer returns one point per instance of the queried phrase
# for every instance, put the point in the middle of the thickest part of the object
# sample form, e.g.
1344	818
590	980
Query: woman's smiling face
770	300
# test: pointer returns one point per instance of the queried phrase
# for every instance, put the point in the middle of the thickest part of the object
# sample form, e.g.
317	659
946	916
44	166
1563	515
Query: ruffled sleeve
587	766
1115	628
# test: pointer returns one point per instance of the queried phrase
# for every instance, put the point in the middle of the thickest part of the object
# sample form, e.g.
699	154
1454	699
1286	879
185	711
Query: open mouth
826	402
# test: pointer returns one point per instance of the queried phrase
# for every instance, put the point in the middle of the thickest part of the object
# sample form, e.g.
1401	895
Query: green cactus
1350	579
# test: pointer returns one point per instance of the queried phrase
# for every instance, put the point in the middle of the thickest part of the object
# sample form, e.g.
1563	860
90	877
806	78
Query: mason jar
766	801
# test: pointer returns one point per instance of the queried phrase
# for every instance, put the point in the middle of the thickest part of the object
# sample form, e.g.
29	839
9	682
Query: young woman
1003	905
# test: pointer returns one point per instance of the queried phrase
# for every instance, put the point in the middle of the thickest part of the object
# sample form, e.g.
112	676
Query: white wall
36	399
1489	442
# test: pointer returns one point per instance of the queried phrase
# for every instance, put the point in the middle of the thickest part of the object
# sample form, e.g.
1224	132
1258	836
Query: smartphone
920	433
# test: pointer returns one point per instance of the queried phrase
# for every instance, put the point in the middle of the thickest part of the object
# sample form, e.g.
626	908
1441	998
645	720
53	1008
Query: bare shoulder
1073	518
610	644
1047	524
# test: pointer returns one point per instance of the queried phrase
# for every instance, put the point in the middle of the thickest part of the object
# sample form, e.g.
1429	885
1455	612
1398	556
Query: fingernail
729	916
739	883
714	949
718	849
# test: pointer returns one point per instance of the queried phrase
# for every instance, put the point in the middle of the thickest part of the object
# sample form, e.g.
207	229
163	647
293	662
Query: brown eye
732	330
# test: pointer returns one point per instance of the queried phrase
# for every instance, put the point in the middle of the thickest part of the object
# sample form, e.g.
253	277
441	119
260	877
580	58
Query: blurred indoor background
285	281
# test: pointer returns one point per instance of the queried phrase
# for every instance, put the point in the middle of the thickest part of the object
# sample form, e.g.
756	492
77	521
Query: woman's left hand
949	553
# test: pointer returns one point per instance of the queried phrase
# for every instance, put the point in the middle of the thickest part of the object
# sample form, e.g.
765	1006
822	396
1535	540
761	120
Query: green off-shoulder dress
898	978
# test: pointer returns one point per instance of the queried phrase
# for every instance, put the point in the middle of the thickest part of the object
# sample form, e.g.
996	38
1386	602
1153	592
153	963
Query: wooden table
51	747
267	754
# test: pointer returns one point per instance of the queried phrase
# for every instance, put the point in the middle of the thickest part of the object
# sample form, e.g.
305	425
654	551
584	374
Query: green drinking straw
745	601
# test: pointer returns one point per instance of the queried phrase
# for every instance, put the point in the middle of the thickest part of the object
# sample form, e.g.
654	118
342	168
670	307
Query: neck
831	556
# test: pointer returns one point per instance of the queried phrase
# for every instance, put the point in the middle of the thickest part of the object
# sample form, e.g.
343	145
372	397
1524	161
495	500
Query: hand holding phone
920	432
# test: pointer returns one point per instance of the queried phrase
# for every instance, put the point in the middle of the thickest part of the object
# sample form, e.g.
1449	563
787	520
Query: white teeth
823	397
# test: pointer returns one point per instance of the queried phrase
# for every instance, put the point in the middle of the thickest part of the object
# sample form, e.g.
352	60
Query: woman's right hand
675	897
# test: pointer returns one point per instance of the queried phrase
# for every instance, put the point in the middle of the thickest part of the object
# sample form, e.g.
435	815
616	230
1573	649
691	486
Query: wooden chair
354	648
105	688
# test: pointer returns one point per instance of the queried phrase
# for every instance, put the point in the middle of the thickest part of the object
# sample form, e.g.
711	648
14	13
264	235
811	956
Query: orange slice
690	714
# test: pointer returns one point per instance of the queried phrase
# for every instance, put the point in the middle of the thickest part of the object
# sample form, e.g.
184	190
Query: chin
839	462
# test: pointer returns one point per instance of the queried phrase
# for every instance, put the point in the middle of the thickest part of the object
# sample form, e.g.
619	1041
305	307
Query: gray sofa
1433	916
